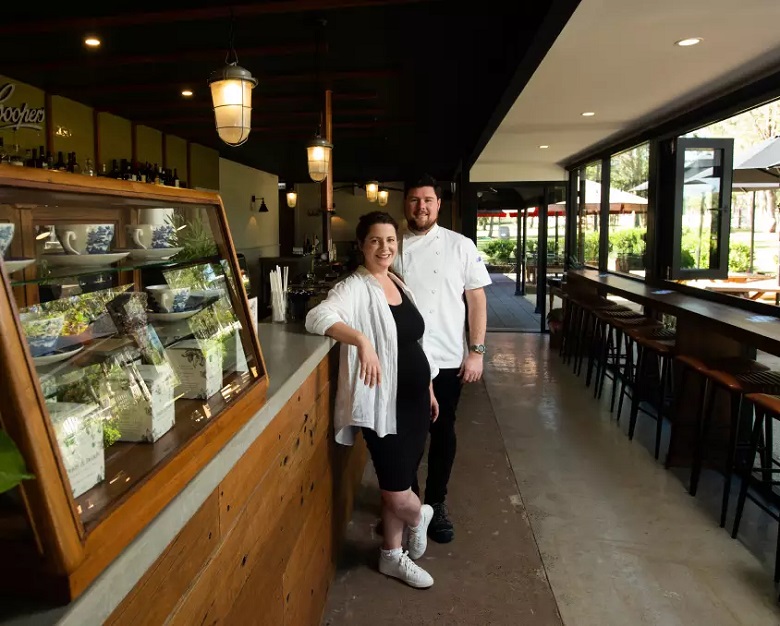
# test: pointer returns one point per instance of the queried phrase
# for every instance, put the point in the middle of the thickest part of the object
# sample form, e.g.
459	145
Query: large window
628	182
589	214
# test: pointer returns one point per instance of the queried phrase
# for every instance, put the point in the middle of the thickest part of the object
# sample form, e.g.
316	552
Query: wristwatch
478	348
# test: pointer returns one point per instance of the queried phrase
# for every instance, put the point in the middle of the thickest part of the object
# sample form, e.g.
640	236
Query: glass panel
589	209
132	318
701	204
628	179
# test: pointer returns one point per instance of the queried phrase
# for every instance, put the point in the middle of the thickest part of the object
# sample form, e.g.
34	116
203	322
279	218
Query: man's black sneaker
440	528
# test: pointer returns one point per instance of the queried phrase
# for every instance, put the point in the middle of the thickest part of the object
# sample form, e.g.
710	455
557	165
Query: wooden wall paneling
212	595
161	588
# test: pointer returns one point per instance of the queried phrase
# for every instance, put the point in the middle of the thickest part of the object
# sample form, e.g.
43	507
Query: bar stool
609	330
577	321
628	376
660	342
767	406
594	332
736	377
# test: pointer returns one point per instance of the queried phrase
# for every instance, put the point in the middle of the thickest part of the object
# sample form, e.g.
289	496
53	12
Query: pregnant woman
384	387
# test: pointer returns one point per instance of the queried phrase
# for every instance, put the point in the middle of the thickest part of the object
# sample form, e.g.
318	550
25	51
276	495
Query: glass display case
127	356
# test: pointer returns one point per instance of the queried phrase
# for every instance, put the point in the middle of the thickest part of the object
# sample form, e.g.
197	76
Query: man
441	266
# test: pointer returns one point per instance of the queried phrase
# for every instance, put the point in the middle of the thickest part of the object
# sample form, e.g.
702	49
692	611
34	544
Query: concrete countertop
290	355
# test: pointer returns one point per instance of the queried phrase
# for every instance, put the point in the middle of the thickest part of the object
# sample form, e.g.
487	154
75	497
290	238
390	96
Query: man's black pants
441	453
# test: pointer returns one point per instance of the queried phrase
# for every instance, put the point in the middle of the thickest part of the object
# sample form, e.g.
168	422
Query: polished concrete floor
621	540
559	517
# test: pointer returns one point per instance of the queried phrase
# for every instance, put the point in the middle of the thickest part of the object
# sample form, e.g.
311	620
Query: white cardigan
359	301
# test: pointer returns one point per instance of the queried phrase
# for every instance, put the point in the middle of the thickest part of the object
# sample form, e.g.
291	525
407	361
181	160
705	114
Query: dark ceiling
414	83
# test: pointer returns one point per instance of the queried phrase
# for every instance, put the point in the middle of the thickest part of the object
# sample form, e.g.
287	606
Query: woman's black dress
395	457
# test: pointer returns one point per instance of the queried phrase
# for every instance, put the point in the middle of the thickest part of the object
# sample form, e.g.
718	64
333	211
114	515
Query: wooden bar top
747	327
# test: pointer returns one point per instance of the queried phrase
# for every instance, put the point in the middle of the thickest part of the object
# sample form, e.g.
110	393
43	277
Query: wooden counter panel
258	525
290	498
293	420
159	591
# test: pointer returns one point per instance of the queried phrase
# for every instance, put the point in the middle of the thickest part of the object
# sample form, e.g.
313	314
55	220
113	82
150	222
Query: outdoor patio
508	312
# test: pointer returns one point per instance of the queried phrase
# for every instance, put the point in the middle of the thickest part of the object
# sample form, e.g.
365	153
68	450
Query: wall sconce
382	197
372	190
253	204
231	96
292	199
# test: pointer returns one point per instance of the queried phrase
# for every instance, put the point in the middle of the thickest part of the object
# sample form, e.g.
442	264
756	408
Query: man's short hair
424	180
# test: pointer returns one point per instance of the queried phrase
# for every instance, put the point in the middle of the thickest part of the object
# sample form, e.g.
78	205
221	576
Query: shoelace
407	565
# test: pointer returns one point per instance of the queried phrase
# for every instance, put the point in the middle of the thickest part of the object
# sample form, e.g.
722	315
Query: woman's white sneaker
403	568
417	540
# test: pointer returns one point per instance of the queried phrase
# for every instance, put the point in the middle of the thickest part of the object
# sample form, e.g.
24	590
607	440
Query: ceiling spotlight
588	114
691	41
92	41
544	147
186	93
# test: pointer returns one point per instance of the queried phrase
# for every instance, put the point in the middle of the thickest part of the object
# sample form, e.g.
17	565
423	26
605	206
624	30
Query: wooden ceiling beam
168	57
139	18
95	91
258	100
207	115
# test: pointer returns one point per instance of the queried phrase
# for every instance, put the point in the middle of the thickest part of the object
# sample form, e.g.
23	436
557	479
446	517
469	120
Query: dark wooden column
326	186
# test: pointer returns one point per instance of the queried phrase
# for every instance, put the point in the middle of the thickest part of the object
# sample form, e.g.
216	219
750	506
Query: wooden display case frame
66	556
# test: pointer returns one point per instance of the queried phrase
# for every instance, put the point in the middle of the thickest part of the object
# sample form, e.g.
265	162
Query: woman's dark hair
369	219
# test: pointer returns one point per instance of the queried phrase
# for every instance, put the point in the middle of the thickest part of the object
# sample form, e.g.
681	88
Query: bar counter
256	530
705	329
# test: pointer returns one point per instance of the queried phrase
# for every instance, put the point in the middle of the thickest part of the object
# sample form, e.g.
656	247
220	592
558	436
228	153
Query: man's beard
423	224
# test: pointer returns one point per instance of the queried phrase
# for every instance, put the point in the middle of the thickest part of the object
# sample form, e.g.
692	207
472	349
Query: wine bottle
30	157
176	181
60	164
42	162
4	156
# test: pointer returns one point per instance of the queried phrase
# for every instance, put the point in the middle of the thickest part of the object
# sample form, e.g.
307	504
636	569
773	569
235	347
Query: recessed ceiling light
186	93
588	114
544	147
92	42
691	41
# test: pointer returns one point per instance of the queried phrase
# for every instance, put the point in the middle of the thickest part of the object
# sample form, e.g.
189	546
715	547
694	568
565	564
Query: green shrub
628	241
739	257
500	251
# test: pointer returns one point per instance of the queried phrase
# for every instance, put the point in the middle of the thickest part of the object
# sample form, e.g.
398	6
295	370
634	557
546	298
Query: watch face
480	349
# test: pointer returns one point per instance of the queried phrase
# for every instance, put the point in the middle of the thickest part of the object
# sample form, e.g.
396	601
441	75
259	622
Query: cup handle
137	238
69	234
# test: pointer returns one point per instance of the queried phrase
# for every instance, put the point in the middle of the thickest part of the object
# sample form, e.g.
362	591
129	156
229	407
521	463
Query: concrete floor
543	470
621	540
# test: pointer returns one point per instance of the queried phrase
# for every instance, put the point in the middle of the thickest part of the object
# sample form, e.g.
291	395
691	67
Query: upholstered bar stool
736	377
767	409
628	375
658	342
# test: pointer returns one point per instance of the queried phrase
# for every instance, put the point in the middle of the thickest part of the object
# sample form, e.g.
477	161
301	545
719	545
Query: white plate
16	265
172	317
84	260
56	357
154	254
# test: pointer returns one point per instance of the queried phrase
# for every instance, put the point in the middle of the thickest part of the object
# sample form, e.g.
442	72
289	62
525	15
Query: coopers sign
21	116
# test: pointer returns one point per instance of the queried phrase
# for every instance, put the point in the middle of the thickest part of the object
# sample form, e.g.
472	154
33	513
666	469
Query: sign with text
21	115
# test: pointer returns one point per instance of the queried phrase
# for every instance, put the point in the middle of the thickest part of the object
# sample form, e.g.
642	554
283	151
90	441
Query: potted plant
630	247
12	467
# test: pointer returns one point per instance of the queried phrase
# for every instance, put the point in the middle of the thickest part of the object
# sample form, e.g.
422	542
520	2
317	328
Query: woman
384	387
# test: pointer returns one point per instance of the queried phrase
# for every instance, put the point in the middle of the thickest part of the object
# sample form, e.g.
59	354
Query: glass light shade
382	197
372	190
231	96
318	152
292	199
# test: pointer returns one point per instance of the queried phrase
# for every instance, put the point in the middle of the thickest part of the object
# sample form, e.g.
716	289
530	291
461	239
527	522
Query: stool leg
628	374
594	356
660	415
736	408
616	369
635	395
707	390
748	470
605	336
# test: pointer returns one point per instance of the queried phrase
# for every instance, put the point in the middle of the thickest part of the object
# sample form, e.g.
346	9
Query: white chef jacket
438	267
360	302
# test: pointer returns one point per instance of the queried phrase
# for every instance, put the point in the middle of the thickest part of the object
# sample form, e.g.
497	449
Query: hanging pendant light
292	198
372	189
231	96
318	151
382	197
